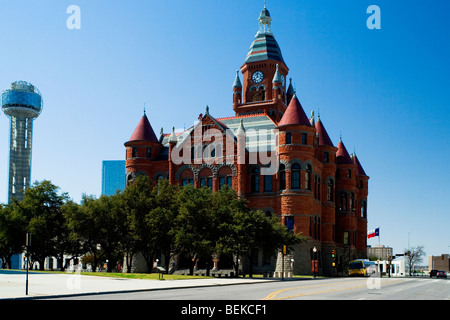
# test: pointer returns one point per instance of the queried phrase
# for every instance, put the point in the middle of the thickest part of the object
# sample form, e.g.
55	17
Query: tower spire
237	82
264	20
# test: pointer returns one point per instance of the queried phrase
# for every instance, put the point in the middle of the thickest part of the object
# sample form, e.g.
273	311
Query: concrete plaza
41	284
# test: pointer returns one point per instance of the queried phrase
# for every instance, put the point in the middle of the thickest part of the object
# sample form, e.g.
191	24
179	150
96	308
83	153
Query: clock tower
264	75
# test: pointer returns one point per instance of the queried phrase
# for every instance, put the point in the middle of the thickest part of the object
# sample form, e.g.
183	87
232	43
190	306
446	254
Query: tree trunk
236	266
192	266
149	260
250	267
129	261
41	264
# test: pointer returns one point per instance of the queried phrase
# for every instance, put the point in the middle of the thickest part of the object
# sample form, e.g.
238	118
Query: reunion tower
22	103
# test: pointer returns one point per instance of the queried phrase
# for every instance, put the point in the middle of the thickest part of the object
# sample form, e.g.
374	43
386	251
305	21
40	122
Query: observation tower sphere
22	103
22	99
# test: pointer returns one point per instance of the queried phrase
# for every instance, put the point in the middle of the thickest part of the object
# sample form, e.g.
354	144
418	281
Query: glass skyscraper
113	176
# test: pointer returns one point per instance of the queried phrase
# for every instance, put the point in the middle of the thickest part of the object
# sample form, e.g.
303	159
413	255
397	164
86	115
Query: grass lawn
155	276
151	276
148	276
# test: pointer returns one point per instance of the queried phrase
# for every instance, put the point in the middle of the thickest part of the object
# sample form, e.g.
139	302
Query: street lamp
314	262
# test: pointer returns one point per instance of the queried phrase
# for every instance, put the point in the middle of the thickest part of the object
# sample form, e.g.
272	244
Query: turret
290	92
142	147
296	151
277	86
237	91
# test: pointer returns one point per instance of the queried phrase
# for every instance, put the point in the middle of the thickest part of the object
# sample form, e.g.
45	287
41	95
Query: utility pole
27	244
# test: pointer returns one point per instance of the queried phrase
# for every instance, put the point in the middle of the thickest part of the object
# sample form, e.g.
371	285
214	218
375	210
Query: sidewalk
12	284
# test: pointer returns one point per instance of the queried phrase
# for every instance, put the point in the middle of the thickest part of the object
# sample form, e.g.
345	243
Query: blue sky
386	91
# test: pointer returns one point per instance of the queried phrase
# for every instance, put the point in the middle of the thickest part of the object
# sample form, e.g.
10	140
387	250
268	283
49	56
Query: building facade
380	252
113	176
275	156
441	262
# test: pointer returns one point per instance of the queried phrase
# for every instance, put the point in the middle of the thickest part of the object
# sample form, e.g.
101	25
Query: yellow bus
362	268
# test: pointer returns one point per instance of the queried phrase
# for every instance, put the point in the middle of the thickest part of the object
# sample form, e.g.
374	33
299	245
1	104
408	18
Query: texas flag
373	233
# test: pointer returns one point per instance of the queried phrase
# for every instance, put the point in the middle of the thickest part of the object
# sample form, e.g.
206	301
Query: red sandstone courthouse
316	188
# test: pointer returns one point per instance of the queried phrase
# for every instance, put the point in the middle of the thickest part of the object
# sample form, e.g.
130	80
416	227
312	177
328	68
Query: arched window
212	150
225	177
304	138
130	178
288	138
352	202
267	183
308	174
257	94
319	186
192	153
364	209
330	190
295	176
282	171
343	202
159	177
206	177
289	223
196	152
187	177
318	228
254	180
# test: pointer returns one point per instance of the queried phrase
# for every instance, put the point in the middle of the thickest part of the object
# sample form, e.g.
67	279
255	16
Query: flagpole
379	238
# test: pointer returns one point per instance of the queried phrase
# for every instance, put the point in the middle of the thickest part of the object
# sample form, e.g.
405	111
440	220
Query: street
312	289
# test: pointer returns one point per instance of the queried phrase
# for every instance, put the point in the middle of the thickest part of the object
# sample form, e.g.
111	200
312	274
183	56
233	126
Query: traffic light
333	258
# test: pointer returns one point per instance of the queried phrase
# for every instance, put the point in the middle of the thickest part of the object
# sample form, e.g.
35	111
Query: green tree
84	229
71	244
137	202
108	227
195	224
242	231
162	219
12	233
41	208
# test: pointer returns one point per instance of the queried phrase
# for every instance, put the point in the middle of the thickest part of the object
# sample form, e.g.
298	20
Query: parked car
441	274
433	273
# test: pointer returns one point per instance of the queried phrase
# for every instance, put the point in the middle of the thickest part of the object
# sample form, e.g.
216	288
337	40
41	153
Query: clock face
257	77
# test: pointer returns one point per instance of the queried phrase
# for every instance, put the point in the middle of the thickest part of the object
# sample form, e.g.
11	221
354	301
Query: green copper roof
264	47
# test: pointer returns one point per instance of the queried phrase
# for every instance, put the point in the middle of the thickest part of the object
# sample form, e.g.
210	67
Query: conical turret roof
324	138
342	156
359	168
294	115
144	131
